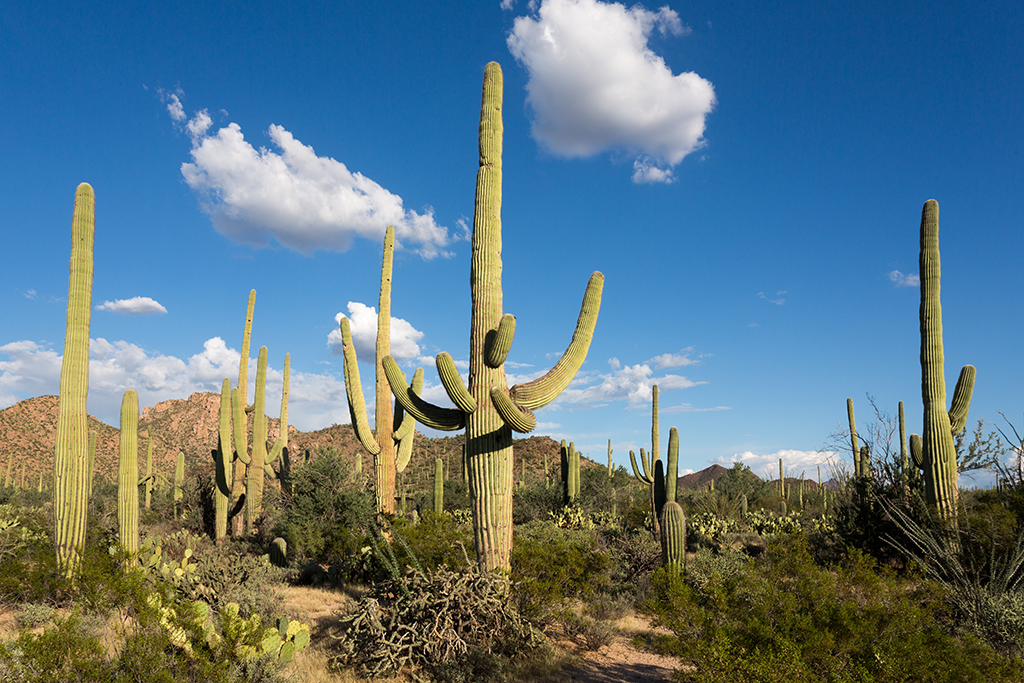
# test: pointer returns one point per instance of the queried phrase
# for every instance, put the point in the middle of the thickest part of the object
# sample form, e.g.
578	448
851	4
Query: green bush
786	619
551	564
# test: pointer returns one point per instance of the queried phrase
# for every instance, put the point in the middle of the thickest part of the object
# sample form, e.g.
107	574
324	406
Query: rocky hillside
189	425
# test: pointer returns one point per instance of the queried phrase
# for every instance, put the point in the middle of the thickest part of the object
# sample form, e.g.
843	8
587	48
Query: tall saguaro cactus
223	458
649	464
128	474
934	452
258	463
71	457
488	409
241	431
390	443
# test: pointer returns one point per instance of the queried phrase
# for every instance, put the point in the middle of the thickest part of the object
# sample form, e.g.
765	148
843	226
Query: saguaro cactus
488	409
128	474
853	438
149	472
673	536
390	443
570	458
438	486
648	464
241	431
611	467
71	457
223	457
179	484
258	463
934	452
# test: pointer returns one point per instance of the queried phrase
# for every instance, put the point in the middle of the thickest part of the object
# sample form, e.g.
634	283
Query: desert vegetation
262	557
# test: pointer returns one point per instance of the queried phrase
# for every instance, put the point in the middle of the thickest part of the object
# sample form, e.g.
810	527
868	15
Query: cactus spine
70	462
438	486
128	474
488	409
935	453
390	443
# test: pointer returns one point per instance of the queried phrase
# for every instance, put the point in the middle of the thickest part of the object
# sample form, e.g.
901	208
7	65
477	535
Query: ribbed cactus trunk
128	474
673	537
254	472
853	438
222	465
487	408
179	487
939	453
149	472
92	460
390	442
438	486
241	428
71	456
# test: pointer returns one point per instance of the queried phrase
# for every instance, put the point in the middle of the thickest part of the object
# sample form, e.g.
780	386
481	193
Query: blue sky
748	175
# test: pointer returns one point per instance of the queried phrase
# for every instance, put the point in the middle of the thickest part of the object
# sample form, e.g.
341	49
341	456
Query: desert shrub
439	622
535	501
551	565
983	578
633	554
324	519
33	614
708	567
436	541
784	618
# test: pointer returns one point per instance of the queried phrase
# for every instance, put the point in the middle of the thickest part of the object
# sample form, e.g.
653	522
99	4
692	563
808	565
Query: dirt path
620	661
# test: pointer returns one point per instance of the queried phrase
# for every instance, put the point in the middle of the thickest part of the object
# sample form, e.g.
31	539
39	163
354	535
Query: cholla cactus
488	409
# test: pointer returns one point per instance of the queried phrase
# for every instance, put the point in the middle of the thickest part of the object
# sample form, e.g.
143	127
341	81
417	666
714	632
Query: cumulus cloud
32	369
595	85
901	280
363	323
631	383
794	462
137	305
292	196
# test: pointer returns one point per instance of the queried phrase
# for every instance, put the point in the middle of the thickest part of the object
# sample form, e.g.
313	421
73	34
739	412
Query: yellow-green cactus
648	464
128	474
241	431
71	457
934	452
390	443
488	409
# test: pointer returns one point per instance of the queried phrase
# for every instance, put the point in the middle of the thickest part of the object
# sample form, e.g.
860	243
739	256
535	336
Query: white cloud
175	108
901	280
689	408
508	4
673	360
315	400
363	323
137	305
294	197
595	85
778	301
630	383
794	463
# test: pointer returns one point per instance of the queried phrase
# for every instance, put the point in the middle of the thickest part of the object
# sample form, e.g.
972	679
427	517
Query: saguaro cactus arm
452	383
500	342
647	476
435	417
544	390
961	398
354	391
